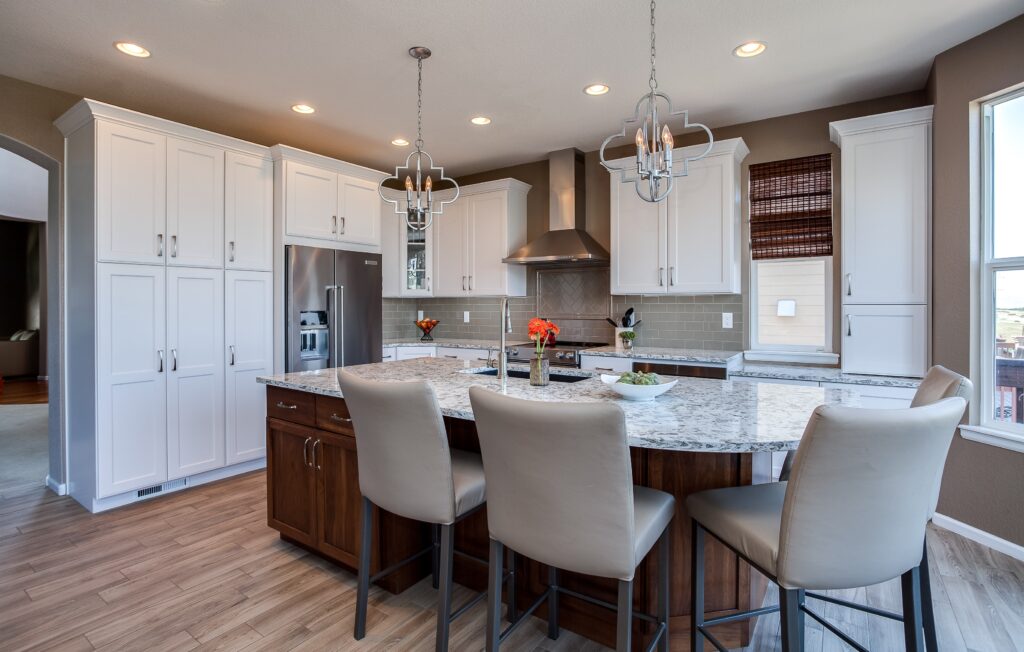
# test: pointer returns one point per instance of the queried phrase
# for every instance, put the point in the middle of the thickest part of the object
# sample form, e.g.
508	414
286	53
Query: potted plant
540	331
627	338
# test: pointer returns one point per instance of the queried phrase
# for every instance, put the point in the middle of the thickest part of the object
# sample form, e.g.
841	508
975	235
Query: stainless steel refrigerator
333	308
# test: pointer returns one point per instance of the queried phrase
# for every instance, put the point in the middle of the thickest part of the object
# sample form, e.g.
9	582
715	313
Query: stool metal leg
444	599
512	612
553	628
696	586
927	612
792	620
912	627
494	573
664	550
435	554
624	627
363	592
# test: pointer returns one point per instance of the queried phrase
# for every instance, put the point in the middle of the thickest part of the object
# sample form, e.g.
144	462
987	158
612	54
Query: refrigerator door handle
336	347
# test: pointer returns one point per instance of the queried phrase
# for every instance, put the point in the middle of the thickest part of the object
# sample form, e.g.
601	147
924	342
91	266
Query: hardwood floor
18	392
200	570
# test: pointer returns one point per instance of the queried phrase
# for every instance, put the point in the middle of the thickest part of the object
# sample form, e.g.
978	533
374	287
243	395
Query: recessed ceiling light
400	142
132	49
596	89
481	120
749	49
303	108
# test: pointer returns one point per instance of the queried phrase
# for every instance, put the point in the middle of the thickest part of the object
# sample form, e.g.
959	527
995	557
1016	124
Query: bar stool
853	513
407	468
560	491
938	383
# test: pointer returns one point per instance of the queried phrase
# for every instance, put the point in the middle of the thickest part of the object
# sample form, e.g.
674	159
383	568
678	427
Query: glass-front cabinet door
416	252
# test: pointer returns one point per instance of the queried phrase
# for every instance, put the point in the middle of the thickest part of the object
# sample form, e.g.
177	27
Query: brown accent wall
983	485
27	113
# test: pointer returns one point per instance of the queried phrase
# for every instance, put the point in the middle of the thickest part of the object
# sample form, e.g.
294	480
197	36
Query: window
791	258
1002	272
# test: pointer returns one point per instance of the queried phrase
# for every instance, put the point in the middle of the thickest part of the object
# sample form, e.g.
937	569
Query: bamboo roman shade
791	208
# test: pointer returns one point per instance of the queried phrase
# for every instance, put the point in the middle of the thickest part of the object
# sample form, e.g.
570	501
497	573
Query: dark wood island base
313	500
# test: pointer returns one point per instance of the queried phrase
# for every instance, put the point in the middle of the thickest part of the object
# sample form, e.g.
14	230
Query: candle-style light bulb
641	150
430	198
667	142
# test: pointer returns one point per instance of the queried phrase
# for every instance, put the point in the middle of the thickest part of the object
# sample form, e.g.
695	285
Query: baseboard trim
979	536
59	488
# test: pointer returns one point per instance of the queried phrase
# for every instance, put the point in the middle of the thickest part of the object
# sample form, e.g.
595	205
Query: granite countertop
662	353
452	342
820	375
698	414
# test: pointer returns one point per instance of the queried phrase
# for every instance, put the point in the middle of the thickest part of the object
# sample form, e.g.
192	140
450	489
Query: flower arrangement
542	332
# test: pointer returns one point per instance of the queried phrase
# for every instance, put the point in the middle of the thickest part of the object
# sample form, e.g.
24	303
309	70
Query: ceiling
238	65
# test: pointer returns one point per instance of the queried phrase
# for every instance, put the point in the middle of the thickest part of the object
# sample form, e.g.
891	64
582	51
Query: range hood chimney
567	240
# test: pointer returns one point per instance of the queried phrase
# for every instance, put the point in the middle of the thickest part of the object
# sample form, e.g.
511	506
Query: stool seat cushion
652	512
467	480
747	518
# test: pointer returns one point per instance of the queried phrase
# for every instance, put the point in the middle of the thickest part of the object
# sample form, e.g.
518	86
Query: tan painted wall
27	113
983	485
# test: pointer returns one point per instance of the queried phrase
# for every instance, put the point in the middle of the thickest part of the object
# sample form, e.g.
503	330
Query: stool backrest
405	466
559	482
861	493
940	383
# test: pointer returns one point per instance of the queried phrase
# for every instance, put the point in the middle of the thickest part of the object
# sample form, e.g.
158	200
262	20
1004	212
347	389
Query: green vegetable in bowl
639	378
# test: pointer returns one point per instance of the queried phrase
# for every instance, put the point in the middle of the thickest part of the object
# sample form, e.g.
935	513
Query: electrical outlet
726	320
465	317
419	315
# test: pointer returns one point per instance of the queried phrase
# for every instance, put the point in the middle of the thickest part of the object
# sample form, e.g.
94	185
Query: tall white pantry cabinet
169	263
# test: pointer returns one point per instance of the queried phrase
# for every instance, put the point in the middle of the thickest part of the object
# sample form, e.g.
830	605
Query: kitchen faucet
505	319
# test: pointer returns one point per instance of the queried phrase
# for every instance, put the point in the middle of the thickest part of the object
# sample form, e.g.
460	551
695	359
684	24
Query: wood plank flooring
200	570
17	392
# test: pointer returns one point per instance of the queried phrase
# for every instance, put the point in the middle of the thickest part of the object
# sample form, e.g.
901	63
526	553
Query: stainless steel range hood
567	240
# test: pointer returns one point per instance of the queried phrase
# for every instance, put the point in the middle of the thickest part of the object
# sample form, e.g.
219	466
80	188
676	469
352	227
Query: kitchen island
701	434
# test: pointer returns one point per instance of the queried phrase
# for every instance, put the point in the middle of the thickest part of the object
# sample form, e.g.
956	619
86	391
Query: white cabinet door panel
249	212
886	199
878	397
131	438
130	194
249	336
195	390
410	352
701	232
312	199
638	242
890	340
450	237
195	204
488	245
606	364
480	356
358	211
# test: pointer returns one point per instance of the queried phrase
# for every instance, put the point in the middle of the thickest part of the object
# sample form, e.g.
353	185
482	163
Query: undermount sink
516	373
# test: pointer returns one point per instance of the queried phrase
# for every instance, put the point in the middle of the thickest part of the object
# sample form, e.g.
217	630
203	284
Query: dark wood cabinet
291	483
338	501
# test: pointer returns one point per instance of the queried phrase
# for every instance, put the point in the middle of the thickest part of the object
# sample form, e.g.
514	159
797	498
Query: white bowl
636	392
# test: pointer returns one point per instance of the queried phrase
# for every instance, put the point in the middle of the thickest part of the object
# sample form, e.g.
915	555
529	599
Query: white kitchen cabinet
890	340
878	396
388	354
131	379
248	212
606	364
130	191
359	211
195	204
776	381
410	352
312	201
195	376
689	243
485	224
249	343
458	353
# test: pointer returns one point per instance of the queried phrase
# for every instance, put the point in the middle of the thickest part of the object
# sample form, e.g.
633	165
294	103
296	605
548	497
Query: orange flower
540	331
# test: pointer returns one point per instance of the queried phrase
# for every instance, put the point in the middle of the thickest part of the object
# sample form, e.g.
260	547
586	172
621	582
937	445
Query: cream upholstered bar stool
937	384
406	468
852	514
560	491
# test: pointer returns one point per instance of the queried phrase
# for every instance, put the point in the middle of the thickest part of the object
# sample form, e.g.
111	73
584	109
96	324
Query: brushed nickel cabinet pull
453	357
232	349
343	226
231	249
603	369
285	406
334	223
305	453
174	246
174	359
335	417
160	244
849	325
849	284
661	276
160	369
671	275
315	463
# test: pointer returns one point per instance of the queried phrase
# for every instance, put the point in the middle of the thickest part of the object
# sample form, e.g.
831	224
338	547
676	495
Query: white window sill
805	357
993	437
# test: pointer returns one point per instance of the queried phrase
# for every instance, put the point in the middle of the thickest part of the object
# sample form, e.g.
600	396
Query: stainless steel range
562	354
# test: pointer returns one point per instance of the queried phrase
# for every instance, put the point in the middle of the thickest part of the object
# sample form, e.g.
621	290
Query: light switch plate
465	317
419	315
726	320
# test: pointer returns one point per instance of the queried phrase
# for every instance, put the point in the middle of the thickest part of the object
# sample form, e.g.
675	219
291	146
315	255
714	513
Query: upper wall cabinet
325	202
689	243
886	182
195	204
249	212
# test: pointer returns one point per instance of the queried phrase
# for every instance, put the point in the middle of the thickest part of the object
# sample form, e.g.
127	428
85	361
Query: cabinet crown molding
734	147
497	184
287	153
853	126
87	110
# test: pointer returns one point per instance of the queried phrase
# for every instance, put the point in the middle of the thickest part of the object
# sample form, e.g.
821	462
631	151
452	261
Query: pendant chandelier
419	205
654	173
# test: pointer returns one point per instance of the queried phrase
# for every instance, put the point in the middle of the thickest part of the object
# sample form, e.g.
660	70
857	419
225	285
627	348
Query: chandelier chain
653	81
419	105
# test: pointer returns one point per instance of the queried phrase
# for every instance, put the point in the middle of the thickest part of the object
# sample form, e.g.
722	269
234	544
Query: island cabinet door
338	501
291	481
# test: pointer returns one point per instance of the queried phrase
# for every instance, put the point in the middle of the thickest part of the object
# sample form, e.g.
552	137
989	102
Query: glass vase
540	371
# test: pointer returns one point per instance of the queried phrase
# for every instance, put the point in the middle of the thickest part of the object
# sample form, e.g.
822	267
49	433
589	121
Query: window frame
984	427
792	351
